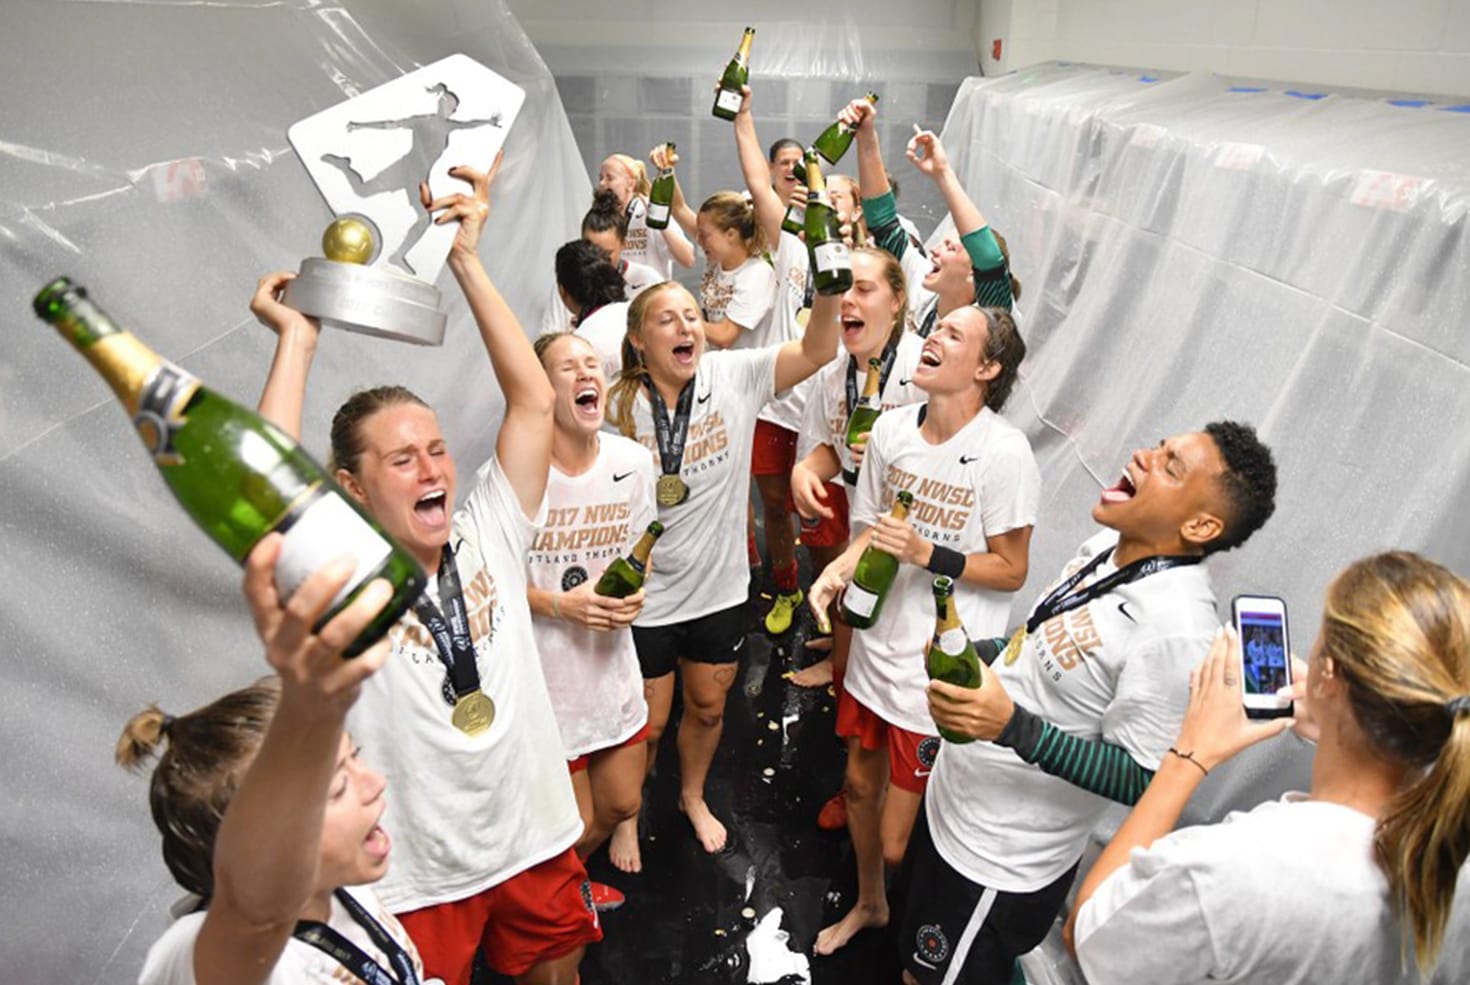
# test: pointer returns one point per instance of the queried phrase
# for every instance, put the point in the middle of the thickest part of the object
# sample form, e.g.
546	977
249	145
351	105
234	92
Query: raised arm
817	346
927	154
862	117
284	395
267	854
524	443
757	173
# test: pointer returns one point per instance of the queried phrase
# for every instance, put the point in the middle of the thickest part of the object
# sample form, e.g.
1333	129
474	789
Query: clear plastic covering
1192	249
144	154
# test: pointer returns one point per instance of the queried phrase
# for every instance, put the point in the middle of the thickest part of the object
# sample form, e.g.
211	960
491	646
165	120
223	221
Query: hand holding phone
1260	624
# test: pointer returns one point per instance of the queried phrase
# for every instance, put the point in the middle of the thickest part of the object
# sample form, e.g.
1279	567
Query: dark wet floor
688	914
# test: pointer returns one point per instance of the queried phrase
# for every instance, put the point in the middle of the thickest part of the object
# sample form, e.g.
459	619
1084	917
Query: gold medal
473	712
671	490
1013	648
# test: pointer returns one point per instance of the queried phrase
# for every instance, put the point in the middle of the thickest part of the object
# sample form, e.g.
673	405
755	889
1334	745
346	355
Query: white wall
682	35
1420	46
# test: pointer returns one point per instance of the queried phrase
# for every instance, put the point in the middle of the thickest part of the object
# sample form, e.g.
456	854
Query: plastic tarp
143	152
1192	249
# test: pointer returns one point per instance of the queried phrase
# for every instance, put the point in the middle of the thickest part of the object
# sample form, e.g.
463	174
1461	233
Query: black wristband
988	648
946	561
1022	733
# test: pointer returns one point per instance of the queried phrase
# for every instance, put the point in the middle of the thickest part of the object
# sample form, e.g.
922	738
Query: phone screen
1263	651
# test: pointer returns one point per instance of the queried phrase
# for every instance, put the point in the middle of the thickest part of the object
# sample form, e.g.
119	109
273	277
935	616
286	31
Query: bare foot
707	827
818	674
622	849
862	917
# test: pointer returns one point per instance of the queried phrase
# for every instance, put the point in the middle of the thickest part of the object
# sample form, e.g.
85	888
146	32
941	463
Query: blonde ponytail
1397	627
641	185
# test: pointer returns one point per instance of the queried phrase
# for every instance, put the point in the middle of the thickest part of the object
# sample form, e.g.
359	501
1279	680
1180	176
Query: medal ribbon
1059	601
889	351
452	636
671	437
330	941
926	327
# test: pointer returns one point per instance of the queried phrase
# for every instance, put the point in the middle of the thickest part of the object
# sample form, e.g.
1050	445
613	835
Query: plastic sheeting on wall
1192	250
143	153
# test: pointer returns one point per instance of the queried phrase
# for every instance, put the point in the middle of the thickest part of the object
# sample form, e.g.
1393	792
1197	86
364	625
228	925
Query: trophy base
368	300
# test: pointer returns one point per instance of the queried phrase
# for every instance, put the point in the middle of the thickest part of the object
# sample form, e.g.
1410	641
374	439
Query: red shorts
910	754
774	450
537	915
834	532
580	763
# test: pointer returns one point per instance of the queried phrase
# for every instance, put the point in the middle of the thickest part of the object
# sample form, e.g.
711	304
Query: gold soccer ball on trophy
351	239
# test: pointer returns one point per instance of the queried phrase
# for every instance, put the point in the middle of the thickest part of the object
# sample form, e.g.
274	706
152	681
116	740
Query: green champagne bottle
238	476
737	74
625	575
831	265
794	222
661	195
862	602
837	138
951	656
860	421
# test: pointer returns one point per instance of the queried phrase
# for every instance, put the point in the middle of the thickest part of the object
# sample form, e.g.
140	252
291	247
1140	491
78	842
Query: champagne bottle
737	74
862	602
832	143
794	222
661	195
837	138
625	575
951	656
860	421
239	477
830	262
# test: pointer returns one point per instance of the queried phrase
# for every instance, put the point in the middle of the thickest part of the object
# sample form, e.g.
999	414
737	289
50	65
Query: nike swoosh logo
1123	608
906	382
700	400
967	459
740	644
620	478
920	774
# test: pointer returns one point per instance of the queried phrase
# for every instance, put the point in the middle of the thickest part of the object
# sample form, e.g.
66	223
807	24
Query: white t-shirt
591	519
982	482
556	317
745	296
700	564
825	420
1115	669
170	960
468	812
647	246
1287	893
790	263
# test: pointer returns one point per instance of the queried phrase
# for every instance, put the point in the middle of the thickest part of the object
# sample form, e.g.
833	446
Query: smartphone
1260	622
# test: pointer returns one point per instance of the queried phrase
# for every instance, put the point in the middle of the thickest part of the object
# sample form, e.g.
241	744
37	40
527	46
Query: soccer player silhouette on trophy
430	139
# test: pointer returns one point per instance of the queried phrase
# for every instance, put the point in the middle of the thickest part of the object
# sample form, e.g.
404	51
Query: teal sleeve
1092	764
992	276
881	214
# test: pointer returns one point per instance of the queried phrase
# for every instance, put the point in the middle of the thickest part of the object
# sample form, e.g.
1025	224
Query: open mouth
684	353
852	325
377	842
588	401
1121	491
431	508
929	357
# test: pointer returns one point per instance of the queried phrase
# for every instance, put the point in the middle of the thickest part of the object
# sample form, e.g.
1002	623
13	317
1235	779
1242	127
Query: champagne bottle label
636	564
831	256
658	214
859	601
729	100
161	404
952	641
326	529
797	214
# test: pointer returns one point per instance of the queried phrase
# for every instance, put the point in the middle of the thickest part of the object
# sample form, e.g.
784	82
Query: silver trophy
368	157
